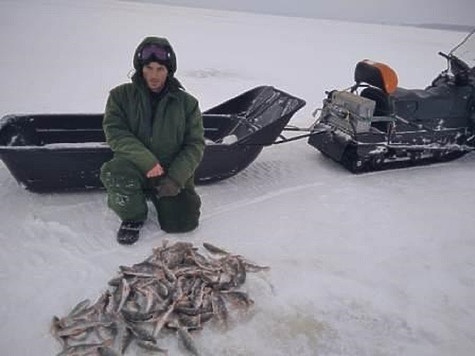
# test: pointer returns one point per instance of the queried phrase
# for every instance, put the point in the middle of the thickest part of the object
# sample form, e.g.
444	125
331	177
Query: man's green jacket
173	136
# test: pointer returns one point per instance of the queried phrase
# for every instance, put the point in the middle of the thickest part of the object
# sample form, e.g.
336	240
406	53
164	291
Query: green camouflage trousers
128	190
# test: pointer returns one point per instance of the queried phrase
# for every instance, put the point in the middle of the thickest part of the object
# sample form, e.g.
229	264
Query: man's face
155	75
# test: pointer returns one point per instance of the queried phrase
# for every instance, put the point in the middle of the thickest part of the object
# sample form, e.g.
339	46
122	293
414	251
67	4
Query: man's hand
167	188
156	171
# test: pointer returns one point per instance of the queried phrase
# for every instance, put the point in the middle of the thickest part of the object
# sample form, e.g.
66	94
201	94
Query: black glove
167	188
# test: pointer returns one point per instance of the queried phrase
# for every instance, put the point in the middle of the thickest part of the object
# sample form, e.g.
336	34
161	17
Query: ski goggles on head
154	52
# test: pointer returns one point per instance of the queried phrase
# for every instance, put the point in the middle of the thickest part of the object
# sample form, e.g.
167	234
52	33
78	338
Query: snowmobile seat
376	74
448	102
383	107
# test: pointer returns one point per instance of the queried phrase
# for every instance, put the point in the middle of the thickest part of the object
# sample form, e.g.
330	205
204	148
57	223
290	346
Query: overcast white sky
453	12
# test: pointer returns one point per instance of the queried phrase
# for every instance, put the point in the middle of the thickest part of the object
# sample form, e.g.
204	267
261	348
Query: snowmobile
376	125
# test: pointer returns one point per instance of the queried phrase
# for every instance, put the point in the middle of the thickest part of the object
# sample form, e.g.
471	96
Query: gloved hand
167	188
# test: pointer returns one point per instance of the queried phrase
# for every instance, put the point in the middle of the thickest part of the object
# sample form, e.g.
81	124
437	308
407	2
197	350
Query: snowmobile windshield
465	50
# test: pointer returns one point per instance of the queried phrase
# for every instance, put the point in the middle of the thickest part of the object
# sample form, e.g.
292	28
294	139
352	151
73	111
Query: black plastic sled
63	152
377	125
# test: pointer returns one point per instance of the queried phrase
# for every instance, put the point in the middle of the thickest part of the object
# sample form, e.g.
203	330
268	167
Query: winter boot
129	232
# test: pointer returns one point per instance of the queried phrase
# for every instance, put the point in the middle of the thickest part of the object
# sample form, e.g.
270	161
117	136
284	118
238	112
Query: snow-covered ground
374	264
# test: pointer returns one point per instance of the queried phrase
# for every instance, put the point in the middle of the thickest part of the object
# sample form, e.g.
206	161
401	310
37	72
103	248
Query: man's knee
124	187
180	213
121	175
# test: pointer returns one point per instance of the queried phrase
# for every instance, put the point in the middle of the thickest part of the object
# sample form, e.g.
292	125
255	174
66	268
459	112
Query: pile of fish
177	289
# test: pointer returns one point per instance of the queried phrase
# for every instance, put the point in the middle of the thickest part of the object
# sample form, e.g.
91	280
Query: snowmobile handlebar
446	56
456	65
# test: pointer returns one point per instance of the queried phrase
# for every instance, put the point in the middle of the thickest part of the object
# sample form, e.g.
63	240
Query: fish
121	294
219	308
187	341
252	267
78	328
160	322
214	249
151	346
115	282
169	275
124	336
198	295
176	288
104	333
55	326
141	333
131	272
238	297
82	305
107	351
83	349
190	321
137	316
